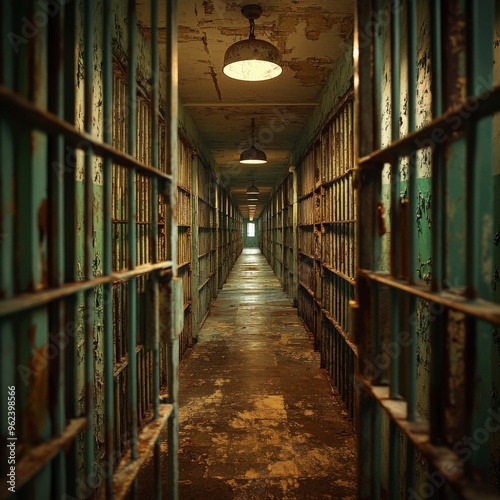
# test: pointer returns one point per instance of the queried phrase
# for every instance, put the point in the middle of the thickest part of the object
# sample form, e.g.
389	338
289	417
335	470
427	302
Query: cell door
427	310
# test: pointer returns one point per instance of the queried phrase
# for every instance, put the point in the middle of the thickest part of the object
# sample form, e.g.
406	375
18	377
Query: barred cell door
89	289
427	310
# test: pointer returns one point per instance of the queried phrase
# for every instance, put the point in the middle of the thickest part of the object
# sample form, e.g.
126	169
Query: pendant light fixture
253	190
253	156
252	60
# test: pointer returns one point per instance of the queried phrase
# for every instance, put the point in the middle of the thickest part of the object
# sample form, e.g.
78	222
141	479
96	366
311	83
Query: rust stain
37	388
208	5
454	62
42	218
213	74
311	71
204	39
382	229
187	34
42	221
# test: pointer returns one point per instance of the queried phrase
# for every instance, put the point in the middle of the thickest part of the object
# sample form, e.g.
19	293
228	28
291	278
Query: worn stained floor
257	415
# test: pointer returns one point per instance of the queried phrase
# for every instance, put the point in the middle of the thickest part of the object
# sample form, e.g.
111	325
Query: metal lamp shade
253	156
253	190
252	60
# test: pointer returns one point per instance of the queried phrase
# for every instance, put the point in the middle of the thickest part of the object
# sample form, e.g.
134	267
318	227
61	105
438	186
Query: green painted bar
412	19
438	179
154	236
438	228
479	207
393	461
395	209
56	246
88	250
172	115
132	235
376	39
7	339
107	84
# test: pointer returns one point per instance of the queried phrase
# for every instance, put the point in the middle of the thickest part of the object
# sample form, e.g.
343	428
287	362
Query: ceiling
309	35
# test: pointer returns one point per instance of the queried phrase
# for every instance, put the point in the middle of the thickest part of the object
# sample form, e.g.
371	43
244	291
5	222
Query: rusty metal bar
126	473
155	115
39	456
479	205
49	123
27	301
443	126
88	237
132	238
441	458
56	248
412	201
7	335
172	158
438	237
478	308
107	98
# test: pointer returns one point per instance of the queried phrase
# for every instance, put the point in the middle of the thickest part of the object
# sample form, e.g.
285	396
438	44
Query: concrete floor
257	415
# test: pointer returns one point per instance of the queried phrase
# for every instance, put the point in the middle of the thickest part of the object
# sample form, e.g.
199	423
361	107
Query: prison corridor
258	418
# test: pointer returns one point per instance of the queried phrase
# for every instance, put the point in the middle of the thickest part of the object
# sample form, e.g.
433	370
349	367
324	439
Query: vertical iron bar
132	235
412	18
154	234
438	181
172	135
438	326
393	484
56	246
7	343
107	84
479	234
395	194
412	204
88	218
366	113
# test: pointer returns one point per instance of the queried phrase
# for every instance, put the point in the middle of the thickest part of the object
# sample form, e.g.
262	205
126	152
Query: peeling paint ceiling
308	33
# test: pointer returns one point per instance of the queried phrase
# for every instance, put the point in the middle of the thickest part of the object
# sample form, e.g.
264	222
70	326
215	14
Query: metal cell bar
27	301
43	120
132	237
479	203
479	308
443	126
154	237
172	149
56	248
88	236
412	201
7	338
441	458
395	211
438	184
40	456
107	83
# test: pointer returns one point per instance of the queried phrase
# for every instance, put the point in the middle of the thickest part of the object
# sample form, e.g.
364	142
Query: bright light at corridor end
252	60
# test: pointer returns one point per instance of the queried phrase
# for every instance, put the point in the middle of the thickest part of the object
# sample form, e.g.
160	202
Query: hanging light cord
252	30
253	132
